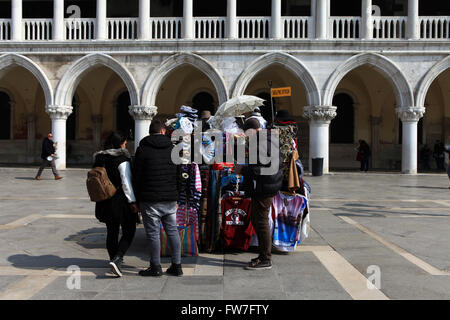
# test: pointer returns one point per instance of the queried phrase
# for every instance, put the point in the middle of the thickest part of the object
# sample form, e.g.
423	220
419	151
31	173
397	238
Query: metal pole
271	100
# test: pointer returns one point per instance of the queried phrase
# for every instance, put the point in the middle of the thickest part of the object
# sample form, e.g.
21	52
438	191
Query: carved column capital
320	113
143	112
410	114
59	112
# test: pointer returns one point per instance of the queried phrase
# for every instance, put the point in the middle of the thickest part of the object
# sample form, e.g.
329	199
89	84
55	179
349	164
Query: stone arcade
384	79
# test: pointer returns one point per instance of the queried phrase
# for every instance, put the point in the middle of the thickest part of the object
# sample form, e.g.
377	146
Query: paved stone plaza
361	223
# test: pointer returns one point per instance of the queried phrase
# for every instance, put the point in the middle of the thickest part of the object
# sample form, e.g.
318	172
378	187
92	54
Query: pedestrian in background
48	157
121	210
157	191
363	155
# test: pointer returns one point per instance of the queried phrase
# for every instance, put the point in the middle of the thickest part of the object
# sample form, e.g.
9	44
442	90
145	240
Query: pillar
231	19
413	20
322	19
144	19
97	121
366	20
31	137
319	127
410	117
312	27
59	115
102	28
143	116
188	19
275	25
16	20
58	20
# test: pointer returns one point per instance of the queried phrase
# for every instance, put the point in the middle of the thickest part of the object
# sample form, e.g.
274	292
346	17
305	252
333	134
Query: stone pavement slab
47	226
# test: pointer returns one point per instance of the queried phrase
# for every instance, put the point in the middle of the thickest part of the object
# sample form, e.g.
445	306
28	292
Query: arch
11	59
429	78
289	62
72	77
156	79
389	69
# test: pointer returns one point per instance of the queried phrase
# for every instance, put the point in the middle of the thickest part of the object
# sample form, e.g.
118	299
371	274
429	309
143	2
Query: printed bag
187	238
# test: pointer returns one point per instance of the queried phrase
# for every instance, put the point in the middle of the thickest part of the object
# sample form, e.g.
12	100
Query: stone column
188	19
102	27
144	20
319	127
413	20
143	116
366	20
31	137
312	27
322	19
59	115
97	121
375	122
410	116
58	20
275	22
16	20
231	19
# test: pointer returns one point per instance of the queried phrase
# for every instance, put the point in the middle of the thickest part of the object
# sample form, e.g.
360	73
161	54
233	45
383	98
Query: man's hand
134	207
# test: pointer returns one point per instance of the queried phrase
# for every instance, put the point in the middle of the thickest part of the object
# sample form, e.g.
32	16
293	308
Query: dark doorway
124	121
342	127
71	128
266	109
203	101
5	116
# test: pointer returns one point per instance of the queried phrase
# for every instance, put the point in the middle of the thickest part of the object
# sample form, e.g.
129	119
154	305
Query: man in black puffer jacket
262	184
156	189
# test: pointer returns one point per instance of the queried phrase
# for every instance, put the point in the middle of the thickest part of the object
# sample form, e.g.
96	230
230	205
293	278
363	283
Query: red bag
359	156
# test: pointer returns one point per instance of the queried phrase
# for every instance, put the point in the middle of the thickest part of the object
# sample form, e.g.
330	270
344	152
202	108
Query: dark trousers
365	164
45	164
114	246
260	221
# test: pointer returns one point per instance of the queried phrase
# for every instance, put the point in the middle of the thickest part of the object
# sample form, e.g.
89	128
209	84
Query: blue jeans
153	213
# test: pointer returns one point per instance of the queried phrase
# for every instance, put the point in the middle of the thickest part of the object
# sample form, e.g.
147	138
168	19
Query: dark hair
115	140
156	126
251	123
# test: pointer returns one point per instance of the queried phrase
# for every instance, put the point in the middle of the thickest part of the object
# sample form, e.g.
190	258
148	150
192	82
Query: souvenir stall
213	208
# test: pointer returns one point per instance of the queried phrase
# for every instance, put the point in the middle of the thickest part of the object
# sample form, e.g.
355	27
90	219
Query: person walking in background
363	155
121	210
157	191
48	157
439	155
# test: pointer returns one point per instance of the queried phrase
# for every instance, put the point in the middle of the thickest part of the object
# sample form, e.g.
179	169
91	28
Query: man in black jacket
156	189
262	185
48	157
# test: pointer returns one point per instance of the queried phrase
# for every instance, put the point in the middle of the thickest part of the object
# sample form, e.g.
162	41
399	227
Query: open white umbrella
238	106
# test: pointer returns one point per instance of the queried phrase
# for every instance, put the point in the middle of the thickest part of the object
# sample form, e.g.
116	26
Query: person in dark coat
157	191
48	157
364	154
261	187
121	211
